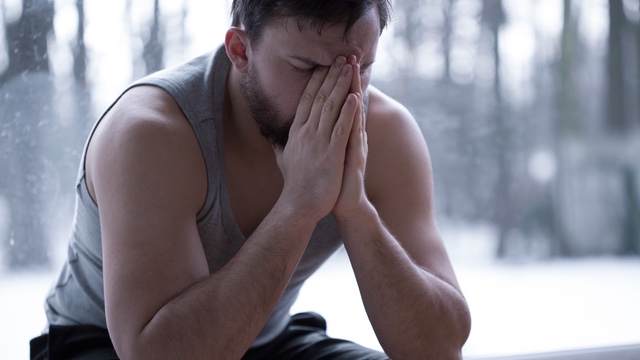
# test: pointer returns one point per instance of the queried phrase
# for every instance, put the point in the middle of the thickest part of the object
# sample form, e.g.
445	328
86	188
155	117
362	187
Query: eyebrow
311	62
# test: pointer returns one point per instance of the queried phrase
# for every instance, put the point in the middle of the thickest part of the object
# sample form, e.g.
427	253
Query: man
211	191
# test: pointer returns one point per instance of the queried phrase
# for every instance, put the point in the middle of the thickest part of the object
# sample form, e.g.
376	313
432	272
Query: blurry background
531	109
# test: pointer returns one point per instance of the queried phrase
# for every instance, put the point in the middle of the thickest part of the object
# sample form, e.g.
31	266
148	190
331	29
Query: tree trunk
631	232
26	100
80	50
616	120
82	89
83	114
447	30
504	204
566	125
493	17
153	47
638	69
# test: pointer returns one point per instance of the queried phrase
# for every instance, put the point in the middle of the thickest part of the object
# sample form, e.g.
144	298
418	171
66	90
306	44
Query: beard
272	124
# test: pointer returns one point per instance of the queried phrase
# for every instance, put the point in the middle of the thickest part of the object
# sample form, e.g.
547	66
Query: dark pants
305	338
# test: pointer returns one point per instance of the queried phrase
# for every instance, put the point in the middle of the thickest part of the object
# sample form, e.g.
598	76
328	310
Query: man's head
253	15
276	44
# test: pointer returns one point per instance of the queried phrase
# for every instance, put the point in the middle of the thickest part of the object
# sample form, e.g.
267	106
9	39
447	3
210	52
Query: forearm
414	313
222	314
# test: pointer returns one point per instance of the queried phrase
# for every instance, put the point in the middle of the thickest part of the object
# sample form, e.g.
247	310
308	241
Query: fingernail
340	60
345	69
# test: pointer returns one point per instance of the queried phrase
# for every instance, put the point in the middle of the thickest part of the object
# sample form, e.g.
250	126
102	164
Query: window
531	110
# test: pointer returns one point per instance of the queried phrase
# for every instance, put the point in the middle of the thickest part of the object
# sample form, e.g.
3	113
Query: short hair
255	14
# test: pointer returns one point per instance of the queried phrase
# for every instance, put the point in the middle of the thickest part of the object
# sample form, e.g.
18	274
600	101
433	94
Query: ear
237	46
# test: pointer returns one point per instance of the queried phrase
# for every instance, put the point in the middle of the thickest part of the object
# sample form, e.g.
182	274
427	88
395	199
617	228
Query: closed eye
304	70
365	67
310	70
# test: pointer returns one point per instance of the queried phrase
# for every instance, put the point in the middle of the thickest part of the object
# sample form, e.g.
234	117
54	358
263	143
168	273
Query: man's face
285	57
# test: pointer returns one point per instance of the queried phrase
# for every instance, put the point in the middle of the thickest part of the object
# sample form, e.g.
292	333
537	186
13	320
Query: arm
147	175
405	278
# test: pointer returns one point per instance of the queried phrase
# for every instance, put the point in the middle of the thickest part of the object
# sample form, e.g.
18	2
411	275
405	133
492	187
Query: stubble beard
273	126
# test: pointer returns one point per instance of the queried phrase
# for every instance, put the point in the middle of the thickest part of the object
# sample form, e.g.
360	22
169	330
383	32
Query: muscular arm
147	175
406	281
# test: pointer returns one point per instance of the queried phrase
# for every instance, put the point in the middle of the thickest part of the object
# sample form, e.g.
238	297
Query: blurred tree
638	65
410	28
81	114
616	119
26	81
82	88
153	46
568	115
631	224
80	50
493	17
566	125
27	38
447	31
409	31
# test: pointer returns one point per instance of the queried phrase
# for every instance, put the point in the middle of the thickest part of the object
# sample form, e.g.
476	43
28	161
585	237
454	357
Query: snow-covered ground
525	308
516	309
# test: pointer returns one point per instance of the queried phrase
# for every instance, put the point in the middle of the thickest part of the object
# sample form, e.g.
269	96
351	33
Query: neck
241	131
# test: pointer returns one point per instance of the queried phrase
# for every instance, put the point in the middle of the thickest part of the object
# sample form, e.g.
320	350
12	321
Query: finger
358	136
326	90
334	104
358	123
342	130
356	85
308	96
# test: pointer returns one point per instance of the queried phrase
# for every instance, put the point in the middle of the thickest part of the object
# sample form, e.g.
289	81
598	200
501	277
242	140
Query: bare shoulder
142	109
387	114
145	129
396	144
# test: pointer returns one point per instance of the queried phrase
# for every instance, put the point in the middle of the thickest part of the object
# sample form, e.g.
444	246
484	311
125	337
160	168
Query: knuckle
339	129
306	98
329	106
321	97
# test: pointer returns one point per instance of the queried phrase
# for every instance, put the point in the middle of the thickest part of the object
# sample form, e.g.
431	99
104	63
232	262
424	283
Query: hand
313	161
352	193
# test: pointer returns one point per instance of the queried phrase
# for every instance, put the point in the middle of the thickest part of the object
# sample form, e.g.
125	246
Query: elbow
131	343
463	322
127	345
459	332
442	337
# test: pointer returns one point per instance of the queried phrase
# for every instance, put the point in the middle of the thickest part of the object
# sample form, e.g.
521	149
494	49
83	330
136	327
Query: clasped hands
323	163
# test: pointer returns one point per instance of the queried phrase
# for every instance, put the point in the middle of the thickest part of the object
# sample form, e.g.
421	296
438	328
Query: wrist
363	212
292	213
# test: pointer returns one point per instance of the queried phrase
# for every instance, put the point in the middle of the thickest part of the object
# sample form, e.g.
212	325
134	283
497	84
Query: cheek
282	91
289	93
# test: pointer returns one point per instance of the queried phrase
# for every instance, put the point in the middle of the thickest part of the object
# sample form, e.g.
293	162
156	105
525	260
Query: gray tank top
198	86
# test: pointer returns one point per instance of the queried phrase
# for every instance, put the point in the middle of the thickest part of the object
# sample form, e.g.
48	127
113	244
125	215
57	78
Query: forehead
296	37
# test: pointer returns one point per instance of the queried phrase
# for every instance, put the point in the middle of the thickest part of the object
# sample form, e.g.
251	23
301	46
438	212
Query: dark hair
255	14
